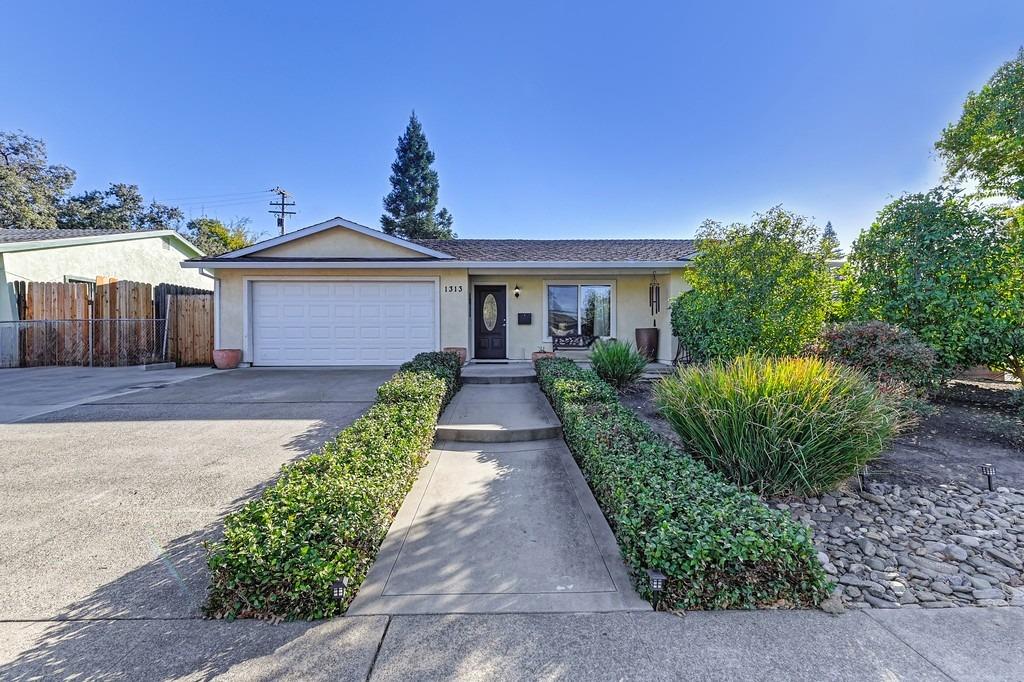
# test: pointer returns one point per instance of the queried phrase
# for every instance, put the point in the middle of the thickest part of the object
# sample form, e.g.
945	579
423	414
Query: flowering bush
885	352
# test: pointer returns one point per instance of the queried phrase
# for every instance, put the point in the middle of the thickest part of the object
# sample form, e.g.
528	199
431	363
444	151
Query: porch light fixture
988	471
339	588
656	580
515	291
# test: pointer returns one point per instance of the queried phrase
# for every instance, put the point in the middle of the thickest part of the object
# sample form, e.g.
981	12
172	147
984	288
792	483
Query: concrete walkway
500	520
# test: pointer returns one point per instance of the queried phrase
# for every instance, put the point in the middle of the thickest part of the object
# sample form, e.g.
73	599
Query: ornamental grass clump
325	516
617	362
779	426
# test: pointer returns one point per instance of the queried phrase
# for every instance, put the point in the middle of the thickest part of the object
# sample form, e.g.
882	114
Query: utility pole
280	205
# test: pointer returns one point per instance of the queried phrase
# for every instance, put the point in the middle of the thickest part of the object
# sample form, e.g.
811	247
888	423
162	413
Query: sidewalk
910	644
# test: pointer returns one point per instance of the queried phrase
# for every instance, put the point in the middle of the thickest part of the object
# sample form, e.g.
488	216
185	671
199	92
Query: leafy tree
987	143
763	287
411	204
214	237
30	188
121	207
949	270
1011	292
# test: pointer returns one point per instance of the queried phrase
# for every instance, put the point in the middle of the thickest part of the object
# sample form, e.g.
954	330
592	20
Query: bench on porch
572	342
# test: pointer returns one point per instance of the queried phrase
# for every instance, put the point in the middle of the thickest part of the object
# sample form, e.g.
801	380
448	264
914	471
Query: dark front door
489	322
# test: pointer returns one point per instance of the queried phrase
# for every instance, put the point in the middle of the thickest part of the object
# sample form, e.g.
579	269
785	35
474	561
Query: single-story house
340	293
150	256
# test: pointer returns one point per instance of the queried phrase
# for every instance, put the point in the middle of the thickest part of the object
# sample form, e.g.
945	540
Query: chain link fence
83	343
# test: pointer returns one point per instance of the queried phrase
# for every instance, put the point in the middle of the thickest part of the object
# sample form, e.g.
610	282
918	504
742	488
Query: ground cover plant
719	547
779	425
325	516
617	362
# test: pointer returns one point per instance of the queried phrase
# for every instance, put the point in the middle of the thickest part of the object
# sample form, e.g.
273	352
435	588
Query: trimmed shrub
445	364
719	547
779	425
560	377
886	353
617	362
325	516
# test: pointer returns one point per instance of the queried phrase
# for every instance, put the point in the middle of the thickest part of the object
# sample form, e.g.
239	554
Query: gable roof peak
333	223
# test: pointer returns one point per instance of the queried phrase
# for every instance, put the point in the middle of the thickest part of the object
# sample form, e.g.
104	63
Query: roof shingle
570	250
13	235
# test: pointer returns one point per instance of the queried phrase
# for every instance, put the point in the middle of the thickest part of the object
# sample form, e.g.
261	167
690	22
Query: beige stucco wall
230	299
630	310
153	260
339	242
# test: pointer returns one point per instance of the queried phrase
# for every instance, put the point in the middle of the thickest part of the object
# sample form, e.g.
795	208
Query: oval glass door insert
490	312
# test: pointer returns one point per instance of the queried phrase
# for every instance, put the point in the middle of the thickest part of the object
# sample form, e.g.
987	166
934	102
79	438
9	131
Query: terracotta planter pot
538	354
458	350
227	358
647	342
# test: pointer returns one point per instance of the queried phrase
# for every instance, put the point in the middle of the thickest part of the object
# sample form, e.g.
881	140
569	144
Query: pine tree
409	209
830	242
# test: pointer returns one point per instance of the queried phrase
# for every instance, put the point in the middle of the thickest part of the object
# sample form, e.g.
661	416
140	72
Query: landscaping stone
892	547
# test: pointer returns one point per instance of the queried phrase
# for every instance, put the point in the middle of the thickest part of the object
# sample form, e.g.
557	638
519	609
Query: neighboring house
152	256
339	293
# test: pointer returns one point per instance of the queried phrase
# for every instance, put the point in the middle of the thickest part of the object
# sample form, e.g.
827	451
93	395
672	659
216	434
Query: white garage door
342	323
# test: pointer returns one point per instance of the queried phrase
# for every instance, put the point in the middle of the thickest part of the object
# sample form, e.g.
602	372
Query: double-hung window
584	309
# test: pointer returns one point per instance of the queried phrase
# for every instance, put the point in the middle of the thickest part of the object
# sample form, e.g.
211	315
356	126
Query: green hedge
718	546
325	516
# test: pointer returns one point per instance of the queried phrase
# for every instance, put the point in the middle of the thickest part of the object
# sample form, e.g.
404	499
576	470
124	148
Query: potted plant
647	342
227	358
541	352
458	350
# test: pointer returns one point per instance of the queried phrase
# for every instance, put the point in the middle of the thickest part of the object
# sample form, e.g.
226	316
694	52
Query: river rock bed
896	547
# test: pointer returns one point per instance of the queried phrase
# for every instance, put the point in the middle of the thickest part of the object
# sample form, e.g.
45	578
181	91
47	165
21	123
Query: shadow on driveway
110	502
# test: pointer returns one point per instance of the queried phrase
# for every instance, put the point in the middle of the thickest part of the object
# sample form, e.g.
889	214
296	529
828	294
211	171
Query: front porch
513	315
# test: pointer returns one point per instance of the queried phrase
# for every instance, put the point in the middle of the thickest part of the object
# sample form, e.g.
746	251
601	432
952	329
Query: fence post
167	326
90	341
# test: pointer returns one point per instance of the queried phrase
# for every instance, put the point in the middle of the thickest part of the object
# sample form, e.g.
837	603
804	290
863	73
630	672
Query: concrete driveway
30	391
106	504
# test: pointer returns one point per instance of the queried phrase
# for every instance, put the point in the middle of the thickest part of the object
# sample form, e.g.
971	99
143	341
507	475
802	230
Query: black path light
862	475
339	588
988	471
656	580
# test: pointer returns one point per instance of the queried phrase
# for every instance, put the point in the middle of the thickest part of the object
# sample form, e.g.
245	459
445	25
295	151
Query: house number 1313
453	288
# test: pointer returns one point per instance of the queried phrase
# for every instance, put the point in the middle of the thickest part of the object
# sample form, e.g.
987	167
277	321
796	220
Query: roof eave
429	265
39	244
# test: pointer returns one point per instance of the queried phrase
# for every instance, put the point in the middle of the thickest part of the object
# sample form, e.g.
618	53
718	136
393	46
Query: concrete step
498	413
517	373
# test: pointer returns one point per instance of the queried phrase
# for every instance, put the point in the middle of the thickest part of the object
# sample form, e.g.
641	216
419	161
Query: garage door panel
342	323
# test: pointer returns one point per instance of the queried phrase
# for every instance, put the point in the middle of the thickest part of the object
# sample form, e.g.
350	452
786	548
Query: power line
226	195
220	204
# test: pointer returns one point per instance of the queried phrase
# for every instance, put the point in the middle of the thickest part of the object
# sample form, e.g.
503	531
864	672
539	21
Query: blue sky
549	119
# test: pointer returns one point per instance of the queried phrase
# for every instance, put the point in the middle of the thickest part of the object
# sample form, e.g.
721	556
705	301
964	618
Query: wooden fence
190	328
111	323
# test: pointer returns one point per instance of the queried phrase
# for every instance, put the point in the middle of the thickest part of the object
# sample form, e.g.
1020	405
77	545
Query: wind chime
654	296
